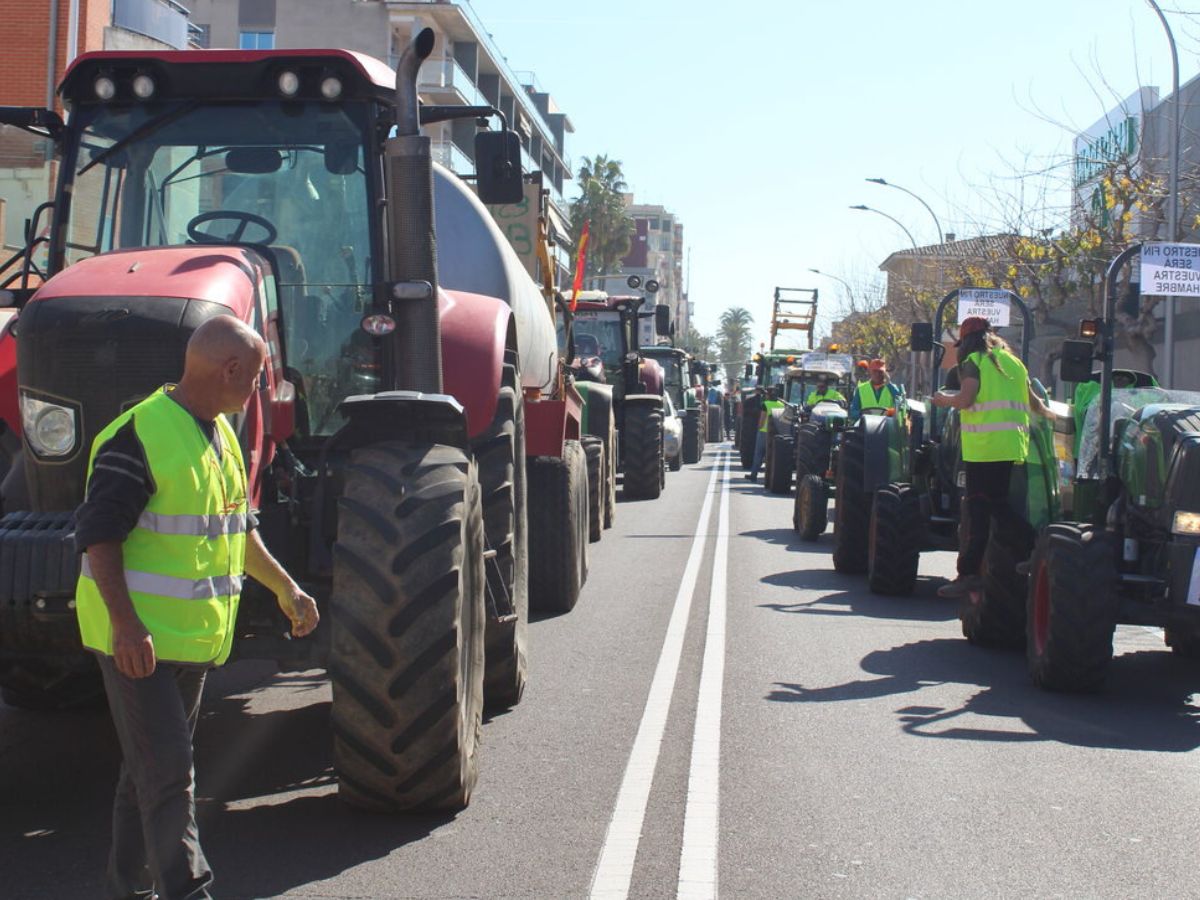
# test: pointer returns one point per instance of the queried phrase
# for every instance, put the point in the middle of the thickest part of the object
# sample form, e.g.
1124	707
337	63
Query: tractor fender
476	330
654	399
650	373
875	452
9	407
402	415
597	405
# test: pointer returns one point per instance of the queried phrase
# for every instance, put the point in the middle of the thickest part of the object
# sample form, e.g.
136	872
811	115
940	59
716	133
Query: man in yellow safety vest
877	392
167	534
994	401
760	443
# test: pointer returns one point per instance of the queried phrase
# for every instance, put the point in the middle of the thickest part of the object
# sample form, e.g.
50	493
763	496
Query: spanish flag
580	265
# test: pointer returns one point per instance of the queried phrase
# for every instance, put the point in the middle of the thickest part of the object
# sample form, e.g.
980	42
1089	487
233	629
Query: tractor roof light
143	86
331	87
1089	328
289	83
104	87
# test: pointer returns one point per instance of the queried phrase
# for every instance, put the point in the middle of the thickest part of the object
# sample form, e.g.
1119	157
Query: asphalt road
813	740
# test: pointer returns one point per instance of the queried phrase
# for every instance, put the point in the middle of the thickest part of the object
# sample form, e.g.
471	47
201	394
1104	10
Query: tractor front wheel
1071	608
593	449
811	512
852	507
894	545
406	660
643	443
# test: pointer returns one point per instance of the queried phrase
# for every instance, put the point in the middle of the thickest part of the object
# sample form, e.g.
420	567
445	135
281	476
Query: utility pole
1172	194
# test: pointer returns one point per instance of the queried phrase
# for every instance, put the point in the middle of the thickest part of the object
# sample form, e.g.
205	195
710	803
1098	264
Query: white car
672	434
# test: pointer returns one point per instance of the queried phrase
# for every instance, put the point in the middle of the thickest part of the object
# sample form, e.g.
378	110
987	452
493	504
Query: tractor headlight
49	427
1186	523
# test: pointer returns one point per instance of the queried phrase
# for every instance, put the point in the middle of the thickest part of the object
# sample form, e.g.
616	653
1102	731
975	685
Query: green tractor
789	426
1125	551
921	509
767	368
680	382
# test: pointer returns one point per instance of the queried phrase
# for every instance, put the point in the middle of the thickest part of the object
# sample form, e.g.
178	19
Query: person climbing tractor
771	402
876	393
994	401
824	391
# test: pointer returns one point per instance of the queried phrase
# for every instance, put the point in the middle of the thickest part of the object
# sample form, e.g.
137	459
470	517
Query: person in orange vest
994	401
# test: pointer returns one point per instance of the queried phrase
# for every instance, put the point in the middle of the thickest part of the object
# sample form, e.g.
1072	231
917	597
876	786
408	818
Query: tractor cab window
288	179
602	330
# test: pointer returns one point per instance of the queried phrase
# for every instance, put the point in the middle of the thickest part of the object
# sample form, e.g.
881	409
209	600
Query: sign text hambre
1170	270
992	305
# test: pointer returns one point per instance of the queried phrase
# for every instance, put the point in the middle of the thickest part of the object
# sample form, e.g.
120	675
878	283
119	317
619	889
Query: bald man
166	534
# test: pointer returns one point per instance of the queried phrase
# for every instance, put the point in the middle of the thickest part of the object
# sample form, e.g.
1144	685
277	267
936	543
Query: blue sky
757	123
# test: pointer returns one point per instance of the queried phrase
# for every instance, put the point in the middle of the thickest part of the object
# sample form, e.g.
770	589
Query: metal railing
162	20
444	73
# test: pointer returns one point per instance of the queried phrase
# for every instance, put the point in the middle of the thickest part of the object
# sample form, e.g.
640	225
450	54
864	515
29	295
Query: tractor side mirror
920	337
31	117
1075	364
749	373
662	319
498	167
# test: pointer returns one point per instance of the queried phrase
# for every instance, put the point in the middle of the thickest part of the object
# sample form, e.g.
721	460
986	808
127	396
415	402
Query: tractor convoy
422	453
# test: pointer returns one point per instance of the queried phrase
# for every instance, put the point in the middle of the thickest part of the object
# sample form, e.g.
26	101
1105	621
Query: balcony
162	20
449	155
443	80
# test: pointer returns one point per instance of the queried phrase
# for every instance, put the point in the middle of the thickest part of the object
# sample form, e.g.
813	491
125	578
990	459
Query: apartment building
38	41
656	252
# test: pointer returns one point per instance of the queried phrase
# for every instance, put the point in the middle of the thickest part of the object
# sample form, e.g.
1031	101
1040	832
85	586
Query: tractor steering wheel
242	218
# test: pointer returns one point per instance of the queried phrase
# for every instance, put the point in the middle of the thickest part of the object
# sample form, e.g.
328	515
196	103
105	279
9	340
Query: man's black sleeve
117	493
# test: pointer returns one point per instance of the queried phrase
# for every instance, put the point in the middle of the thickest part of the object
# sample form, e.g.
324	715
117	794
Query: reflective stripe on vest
995	428
212	526
177	588
184	560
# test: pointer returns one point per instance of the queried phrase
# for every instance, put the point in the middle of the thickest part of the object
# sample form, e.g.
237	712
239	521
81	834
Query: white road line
701	820
614	871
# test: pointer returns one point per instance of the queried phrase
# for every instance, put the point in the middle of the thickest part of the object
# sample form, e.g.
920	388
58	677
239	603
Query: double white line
698	859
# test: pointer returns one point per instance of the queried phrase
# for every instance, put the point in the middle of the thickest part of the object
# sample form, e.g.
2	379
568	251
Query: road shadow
57	781
786	537
847	596
1145	706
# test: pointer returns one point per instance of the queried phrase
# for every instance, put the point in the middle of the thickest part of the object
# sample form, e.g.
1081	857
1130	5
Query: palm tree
600	203
735	339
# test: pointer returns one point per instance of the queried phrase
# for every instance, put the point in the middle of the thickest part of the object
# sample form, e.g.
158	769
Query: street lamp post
892	218
1172	194
841	281
929	209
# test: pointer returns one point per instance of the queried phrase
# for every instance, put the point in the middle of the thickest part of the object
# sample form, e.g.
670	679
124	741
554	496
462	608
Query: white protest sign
989	304
1171	270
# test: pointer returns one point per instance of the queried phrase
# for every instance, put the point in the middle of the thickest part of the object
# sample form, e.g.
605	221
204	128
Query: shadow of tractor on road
1147	704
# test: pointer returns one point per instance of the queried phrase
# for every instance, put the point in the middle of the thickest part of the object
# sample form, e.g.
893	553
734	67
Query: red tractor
612	325
389	442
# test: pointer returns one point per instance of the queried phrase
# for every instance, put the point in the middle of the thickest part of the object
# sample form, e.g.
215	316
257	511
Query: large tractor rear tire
558	529
693	436
500	454
810	515
812	450
716	433
1071	610
852	507
643	440
781	459
995	616
894	546
406	660
593	449
601	423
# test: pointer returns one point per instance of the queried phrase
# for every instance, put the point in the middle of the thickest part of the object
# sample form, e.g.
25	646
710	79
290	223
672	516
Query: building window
256	40
199	35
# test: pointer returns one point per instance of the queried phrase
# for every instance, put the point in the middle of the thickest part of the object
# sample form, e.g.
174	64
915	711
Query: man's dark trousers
985	502
154	837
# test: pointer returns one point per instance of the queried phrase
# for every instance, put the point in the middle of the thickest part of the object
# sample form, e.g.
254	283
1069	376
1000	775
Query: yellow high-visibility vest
995	428
185	559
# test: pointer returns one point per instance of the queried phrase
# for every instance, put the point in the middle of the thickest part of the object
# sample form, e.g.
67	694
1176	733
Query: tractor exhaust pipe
411	245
